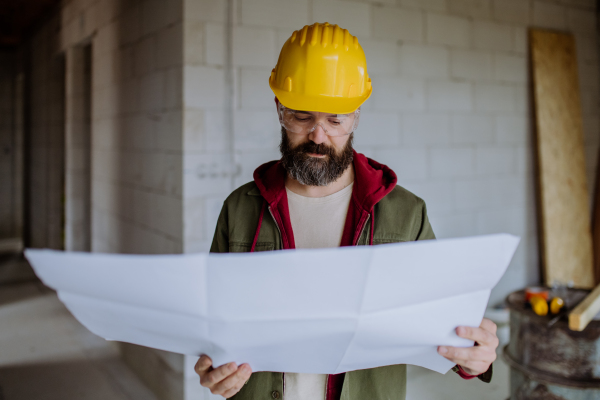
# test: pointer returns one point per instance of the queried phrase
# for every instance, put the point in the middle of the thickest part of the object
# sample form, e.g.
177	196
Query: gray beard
312	171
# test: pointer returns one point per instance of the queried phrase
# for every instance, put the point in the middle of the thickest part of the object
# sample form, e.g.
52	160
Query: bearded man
322	193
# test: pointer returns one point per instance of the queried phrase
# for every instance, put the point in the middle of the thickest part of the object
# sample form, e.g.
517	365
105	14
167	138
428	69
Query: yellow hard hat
321	67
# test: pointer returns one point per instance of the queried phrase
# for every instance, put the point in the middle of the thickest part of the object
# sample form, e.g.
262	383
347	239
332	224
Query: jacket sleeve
485	377
425	231
220	243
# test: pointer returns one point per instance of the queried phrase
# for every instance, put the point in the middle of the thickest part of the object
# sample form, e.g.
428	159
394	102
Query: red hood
372	182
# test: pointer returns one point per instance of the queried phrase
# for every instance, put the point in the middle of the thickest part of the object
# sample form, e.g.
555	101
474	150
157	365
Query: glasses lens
302	122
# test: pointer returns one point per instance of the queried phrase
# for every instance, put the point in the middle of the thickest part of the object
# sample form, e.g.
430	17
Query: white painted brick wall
471	8
423	61
510	220
512	129
409	163
495	160
431	5
205	10
471	65
425	129
380	129
510	68
489	36
581	21
289	14
458	162
438	195
520	40
382	56
214	126
356	17
448	30
200	80
449	112
548	15
471	129
511	11
456	225
255	92
254	47
397	23
495	97
215	44
256	130
449	96
398	93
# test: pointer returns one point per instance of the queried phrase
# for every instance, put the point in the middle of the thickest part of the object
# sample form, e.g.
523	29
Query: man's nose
318	134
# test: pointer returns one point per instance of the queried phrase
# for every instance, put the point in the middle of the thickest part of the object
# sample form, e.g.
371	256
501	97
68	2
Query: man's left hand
477	359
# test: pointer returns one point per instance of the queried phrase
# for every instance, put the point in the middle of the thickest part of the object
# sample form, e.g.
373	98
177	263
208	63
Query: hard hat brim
327	104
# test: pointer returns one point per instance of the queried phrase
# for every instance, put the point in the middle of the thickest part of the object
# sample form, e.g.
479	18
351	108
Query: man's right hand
225	380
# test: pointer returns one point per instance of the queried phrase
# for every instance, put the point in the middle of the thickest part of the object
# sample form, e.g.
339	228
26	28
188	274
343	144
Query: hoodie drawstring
260	219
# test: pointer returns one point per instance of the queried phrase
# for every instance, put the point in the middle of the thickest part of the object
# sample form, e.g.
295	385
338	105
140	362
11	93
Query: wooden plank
585	311
566	242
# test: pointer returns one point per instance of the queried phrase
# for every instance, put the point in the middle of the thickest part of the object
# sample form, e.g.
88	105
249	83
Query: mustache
312	147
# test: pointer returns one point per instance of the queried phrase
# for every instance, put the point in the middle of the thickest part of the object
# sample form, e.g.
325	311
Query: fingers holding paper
477	359
225	380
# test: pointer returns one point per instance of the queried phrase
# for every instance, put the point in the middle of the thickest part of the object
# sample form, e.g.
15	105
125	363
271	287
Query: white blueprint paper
306	311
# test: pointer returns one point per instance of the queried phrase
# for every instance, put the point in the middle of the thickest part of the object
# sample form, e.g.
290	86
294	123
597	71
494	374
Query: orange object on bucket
536	291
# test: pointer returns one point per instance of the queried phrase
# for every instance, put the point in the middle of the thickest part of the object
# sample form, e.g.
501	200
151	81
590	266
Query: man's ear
276	102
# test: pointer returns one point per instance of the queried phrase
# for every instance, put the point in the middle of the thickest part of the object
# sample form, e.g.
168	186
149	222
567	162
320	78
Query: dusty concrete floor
45	354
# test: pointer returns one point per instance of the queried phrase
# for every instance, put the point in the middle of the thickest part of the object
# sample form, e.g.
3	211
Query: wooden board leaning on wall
566	242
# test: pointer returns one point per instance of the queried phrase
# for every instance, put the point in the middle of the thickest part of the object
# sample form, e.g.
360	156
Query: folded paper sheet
311	311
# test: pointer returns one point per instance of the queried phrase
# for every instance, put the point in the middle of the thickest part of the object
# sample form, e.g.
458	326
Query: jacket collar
372	182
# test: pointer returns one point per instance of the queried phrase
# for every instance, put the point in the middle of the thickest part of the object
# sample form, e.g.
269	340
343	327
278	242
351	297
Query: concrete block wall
45	138
78	149
450	111
136	137
136	120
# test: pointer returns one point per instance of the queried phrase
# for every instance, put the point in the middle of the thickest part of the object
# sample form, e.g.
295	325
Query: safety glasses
305	122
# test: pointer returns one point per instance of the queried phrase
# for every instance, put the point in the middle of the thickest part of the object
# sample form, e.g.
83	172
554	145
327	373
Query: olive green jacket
245	225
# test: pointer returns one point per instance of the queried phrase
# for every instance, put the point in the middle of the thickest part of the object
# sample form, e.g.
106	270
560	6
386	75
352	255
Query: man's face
315	159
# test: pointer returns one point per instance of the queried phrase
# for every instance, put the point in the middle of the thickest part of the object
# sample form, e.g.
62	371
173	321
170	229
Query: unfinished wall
136	121
450	110
9	148
44	137
135	140
78	182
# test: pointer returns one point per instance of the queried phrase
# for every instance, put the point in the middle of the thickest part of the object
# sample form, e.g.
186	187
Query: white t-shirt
317	222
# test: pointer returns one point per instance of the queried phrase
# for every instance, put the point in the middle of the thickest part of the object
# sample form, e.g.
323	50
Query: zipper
277	225
362	230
